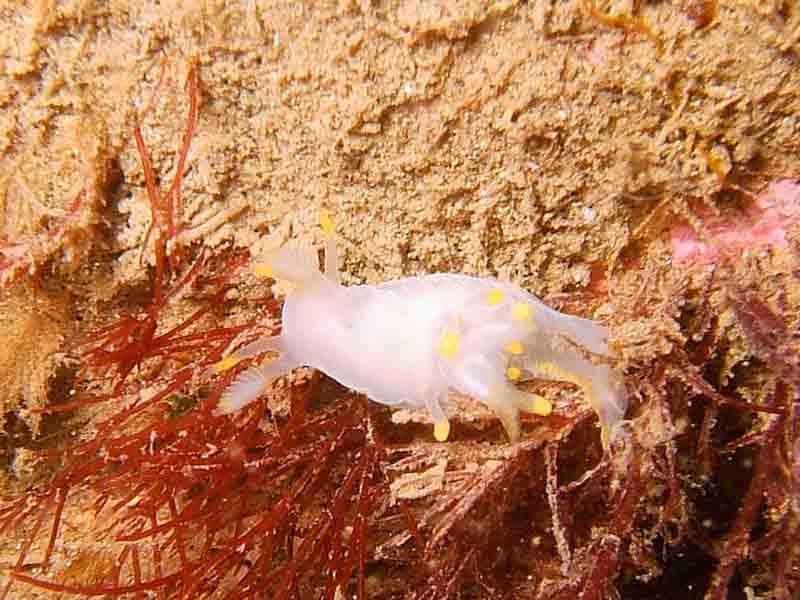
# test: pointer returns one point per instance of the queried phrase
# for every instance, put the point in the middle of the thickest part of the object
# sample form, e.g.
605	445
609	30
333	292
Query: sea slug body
408	342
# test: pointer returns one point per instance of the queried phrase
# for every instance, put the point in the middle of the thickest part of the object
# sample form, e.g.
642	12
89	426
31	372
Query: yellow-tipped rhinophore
448	345
494	296
514	347
513	373
326	223
226	363
441	431
331	260
263	270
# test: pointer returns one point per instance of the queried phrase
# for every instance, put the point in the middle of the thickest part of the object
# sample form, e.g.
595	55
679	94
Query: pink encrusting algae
764	223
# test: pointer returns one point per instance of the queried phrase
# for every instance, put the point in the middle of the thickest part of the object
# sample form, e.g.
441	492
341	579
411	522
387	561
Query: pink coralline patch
762	224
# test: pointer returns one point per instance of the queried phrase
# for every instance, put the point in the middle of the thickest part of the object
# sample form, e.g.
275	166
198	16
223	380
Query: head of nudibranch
298	267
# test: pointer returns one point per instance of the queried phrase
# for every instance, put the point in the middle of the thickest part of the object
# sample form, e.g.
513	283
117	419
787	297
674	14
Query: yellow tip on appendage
441	431
514	347
494	296
448	345
226	363
325	222
542	406
263	270
513	373
522	311
537	404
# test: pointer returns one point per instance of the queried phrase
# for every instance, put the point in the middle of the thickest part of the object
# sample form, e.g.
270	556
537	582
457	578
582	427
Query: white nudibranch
408	342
